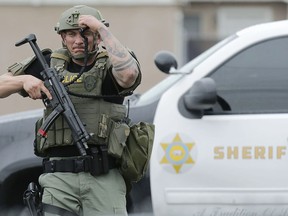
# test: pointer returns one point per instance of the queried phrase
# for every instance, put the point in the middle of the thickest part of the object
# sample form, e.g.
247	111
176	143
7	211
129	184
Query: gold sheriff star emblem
177	153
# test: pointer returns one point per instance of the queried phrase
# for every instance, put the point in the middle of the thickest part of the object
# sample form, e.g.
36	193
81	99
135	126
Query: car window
155	92
256	79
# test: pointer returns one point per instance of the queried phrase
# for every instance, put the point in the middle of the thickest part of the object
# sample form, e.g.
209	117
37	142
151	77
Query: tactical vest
102	119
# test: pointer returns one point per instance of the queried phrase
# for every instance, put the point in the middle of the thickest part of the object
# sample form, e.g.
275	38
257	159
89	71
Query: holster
32	199
99	163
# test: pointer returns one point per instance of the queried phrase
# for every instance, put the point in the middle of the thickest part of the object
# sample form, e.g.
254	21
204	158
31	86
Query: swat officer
82	185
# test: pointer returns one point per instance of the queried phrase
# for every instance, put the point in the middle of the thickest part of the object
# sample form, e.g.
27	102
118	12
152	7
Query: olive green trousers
84	194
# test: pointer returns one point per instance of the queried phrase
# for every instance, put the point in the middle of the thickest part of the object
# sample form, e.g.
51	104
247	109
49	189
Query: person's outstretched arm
10	84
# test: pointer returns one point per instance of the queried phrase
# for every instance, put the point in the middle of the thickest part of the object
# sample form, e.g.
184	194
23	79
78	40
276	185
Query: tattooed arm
125	69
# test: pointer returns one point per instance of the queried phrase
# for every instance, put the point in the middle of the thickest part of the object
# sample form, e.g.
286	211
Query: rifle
60	103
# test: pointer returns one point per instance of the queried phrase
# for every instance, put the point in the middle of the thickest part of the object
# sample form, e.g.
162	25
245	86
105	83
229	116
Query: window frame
251	109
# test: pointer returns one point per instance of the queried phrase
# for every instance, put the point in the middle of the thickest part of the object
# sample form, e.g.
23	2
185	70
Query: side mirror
202	95
165	61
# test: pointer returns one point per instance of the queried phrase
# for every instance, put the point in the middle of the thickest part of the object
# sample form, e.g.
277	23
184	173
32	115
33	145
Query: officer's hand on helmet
91	22
35	87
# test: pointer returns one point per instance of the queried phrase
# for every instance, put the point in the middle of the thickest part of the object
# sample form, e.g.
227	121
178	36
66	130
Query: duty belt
97	163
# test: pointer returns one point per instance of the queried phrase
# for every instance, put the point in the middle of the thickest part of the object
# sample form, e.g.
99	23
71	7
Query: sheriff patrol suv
221	145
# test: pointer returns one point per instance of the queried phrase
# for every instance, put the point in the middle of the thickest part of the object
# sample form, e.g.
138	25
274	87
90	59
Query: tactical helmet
69	18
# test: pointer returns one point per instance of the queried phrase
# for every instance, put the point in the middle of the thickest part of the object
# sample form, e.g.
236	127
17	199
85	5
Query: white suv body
228	157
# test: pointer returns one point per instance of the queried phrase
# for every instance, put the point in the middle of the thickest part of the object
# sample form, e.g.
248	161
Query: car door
234	159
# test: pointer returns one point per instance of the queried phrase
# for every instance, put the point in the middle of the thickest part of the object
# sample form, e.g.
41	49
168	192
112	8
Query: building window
232	19
195	42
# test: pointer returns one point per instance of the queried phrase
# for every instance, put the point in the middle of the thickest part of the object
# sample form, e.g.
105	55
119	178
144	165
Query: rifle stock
60	103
